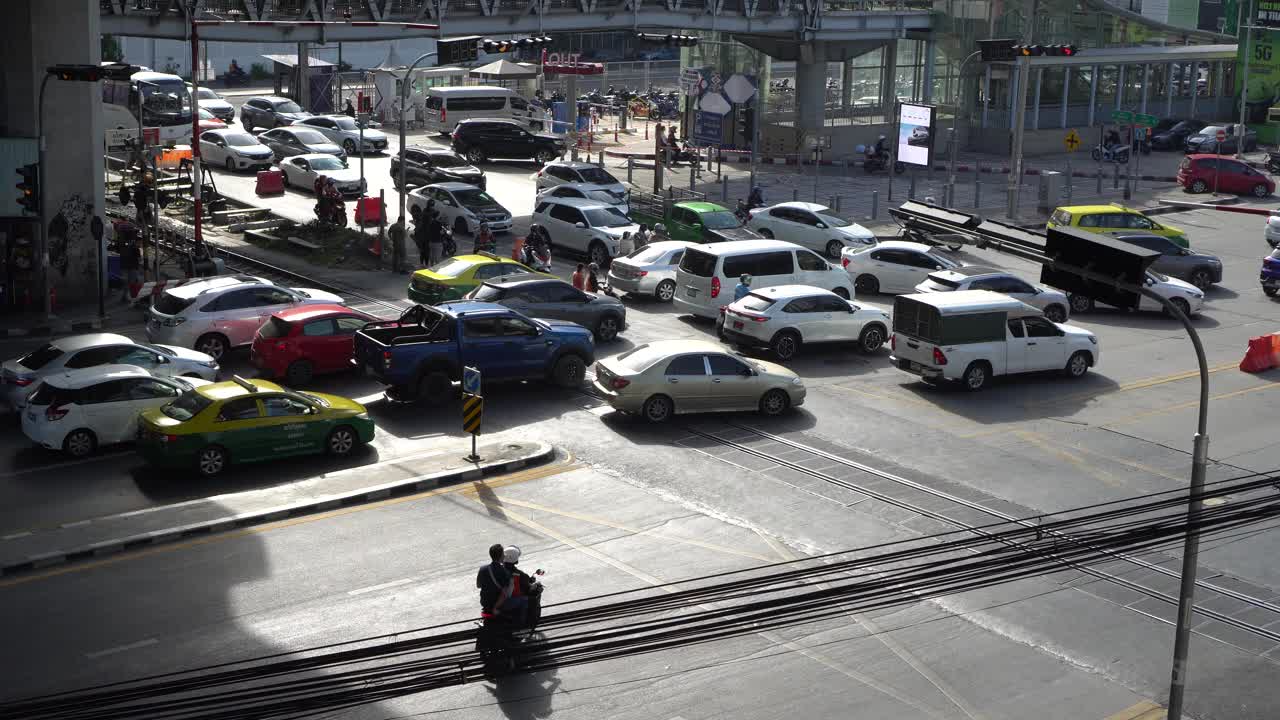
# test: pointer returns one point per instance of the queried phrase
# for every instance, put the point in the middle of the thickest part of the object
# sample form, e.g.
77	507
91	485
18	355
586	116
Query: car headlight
796	381
209	364
362	415
174	321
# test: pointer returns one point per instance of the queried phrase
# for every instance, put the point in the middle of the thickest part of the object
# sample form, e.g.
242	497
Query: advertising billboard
916	134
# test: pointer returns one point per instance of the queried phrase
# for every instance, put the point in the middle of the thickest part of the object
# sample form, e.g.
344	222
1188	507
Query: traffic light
1048	50
744	121
457	50
668	40
1000	50
77	73
29	197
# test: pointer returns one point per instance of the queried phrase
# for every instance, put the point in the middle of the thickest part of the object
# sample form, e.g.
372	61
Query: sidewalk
36	548
79	317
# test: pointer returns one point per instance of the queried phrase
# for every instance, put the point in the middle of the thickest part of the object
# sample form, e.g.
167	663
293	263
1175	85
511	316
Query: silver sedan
650	270
660	379
345	131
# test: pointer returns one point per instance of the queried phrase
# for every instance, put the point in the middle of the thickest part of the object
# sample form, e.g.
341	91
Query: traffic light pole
955	116
1023	68
197	179
43	237
404	100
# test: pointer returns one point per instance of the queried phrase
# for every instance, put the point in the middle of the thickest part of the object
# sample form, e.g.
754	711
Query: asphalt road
1041	442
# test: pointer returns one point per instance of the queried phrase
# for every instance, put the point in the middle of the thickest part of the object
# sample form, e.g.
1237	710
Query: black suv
479	140
428	165
270	112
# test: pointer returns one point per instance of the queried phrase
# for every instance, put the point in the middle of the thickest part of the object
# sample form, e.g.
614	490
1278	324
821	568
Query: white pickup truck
974	335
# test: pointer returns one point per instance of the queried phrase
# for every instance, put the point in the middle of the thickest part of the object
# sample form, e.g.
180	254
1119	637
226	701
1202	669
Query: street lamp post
404	95
955	116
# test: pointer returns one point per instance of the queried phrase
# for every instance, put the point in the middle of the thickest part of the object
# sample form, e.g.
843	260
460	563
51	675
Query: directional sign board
1072	141
1145	120
1124	117
471	380
708	128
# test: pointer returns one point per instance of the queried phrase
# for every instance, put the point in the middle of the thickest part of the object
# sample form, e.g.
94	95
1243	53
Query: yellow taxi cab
1112	218
452	278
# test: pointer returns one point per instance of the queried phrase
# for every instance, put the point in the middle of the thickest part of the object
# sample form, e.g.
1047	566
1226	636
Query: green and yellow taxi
1110	219
241	421
453	278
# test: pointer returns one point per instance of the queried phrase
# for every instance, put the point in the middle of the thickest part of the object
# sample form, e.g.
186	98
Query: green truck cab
692	219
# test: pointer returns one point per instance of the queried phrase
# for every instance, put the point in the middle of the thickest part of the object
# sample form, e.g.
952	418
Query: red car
301	342
1203	173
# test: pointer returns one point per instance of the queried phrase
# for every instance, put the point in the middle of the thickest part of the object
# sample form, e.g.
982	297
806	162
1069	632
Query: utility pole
1244	88
197	179
1019	109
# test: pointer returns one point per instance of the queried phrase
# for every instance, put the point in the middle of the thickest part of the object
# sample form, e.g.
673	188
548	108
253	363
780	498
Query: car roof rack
244	383
491	256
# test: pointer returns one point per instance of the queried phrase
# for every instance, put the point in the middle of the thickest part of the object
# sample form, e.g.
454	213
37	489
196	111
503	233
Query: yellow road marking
1191	403
1129	386
890	398
1041	442
1135	465
526	475
1145	710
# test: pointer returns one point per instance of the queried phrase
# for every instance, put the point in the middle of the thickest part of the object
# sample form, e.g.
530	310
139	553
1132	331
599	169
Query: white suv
584	226
783	317
220	313
974	277
588	175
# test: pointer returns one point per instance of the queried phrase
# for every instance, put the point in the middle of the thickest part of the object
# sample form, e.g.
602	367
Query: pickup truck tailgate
368	353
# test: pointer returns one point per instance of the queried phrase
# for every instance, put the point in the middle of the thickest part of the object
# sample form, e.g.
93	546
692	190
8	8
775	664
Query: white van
708	273
974	335
448	106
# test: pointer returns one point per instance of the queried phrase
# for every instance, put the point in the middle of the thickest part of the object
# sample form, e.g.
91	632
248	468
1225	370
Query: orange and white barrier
1263	354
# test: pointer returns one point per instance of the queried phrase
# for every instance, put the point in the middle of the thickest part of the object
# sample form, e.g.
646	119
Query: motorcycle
331	211
1118	155
538	258
1273	163
874	163
504	644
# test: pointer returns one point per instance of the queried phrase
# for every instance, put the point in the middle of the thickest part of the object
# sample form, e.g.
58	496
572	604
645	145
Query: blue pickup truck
421	354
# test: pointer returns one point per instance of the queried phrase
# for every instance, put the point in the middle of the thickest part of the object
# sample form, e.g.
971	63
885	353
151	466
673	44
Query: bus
165	104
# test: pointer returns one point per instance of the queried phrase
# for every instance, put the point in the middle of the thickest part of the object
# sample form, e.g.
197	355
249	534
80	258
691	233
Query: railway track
967	515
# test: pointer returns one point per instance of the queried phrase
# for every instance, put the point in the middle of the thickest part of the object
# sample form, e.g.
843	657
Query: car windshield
597	176
327	162
170	304
641	357
719	220
287	106
1211	130
606	217
647	254
833	220
240	139
451	267
39	358
159	349
46	394
346	123
188	405
474	197
310	137
274	328
207	94
446	160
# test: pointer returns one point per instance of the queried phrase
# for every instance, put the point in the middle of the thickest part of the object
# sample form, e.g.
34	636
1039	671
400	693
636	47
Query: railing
411	9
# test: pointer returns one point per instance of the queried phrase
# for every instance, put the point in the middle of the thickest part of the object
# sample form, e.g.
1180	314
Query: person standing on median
130	264
397	232
435	238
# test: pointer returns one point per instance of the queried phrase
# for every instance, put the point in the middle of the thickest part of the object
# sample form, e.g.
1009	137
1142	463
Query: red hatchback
298	343
1203	173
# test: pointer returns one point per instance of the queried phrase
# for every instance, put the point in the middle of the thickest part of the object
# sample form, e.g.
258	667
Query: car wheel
1260	190
544	156
775	402
871	339
598	254
1080	303
213	345
284	180
666	290
341	441
657	409
833	249
766	233
976	376
1270	291
1056	313
79	443
434	387
785	345
211	461
1201	279
866	285
1183	306
569	371
349	147
475	156
231	165
298	373
1199	186
1077	364
607	329
842	292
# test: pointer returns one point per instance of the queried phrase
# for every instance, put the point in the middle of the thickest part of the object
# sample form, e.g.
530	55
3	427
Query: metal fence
637	76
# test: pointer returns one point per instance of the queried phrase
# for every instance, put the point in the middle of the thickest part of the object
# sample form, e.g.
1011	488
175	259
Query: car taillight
280	346
893	341
619	383
715	287
21	381
386	360
844	262
938	357
167	438
641	273
55	412
444	115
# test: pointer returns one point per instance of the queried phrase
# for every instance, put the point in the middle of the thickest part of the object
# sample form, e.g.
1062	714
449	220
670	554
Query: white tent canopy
505	70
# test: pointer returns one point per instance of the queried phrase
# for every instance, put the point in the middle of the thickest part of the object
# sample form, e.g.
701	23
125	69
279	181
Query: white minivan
448	106
974	335
708	273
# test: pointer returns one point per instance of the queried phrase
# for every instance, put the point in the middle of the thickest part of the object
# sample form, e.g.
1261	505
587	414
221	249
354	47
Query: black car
428	165
479	140
1196	268
287	142
1172	133
270	112
1206	140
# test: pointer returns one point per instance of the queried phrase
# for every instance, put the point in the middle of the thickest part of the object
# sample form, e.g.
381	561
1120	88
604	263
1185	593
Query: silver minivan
708	273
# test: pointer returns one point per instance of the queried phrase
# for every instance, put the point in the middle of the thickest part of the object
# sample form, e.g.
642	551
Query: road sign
1072	141
472	412
471	380
691	81
1146	120
1124	117
708	128
740	88
1221	135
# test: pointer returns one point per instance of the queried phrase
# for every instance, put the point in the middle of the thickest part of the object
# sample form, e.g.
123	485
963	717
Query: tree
111	50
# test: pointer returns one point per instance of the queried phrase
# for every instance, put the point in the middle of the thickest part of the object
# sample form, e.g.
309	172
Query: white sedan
1180	293
650	270
345	131
893	266
587	191
301	171
78	411
1272	230
235	150
811	225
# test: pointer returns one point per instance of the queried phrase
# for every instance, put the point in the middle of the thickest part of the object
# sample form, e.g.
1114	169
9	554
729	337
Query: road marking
65	464
1129	386
1145	710
1190	403
15	536
122	648
1044	444
383	586
1131	463
526	475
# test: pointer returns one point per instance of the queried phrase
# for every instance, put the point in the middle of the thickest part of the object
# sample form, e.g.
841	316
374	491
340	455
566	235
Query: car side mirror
747	372
1183	251
822	226
580	225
